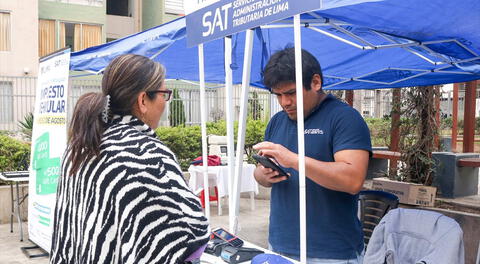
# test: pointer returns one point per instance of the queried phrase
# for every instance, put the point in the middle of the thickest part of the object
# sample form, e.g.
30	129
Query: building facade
30	29
18	58
18	37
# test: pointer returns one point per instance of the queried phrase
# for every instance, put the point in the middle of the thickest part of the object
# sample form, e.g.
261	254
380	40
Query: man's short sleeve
350	131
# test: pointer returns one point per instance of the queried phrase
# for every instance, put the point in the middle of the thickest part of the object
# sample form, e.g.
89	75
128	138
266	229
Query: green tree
417	132
177	110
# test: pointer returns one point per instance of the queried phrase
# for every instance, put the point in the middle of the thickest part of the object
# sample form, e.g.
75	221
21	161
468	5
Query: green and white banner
49	140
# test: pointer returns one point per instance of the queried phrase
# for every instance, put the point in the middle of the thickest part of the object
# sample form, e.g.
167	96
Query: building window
79	36
81	2
75	36
119	7
6	102
174	7
46	37
5	31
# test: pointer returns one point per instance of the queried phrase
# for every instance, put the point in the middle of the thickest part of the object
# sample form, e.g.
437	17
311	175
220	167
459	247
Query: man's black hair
281	68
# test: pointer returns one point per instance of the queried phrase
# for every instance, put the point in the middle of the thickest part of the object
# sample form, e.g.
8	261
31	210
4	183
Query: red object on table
213	160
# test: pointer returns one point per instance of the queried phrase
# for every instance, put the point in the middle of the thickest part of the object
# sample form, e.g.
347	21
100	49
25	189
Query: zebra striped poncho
129	205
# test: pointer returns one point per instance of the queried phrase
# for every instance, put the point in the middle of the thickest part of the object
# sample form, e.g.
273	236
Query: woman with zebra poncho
121	196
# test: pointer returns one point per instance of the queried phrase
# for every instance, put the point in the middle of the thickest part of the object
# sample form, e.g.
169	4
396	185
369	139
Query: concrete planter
377	167
451	180
5	203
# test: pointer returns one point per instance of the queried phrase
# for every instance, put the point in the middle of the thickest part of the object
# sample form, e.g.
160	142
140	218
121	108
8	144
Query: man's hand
282	155
346	173
266	176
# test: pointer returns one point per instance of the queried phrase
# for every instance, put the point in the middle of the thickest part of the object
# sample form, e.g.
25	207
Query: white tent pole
203	118
301	138
230	131
247	63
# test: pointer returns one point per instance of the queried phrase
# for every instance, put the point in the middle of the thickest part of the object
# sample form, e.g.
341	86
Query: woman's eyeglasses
166	93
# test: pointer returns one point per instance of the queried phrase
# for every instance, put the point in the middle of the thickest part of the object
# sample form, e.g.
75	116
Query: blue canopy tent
360	45
166	44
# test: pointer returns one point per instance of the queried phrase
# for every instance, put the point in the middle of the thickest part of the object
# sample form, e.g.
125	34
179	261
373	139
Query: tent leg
301	138
230	130
247	62
203	117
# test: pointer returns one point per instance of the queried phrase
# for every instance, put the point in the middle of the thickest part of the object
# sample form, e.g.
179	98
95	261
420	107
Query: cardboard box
408	193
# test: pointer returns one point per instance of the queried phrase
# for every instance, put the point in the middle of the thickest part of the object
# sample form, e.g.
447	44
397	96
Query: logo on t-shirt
313	131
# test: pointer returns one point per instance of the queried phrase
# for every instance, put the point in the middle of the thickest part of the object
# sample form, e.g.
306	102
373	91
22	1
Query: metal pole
19	218
203	118
301	139
13	208
230	131
469	116
247	62
349	97
455	117
436	138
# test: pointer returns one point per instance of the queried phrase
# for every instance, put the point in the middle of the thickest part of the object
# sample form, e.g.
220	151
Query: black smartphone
268	163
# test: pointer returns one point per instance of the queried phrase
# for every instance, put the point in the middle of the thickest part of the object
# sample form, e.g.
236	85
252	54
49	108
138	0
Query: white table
15	177
218	176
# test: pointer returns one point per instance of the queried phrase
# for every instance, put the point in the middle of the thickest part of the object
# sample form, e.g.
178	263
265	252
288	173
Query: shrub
186	141
446	123
477	124
14	154
254	134
27	125
379	131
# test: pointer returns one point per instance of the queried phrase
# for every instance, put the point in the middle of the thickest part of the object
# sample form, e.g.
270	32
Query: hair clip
106	110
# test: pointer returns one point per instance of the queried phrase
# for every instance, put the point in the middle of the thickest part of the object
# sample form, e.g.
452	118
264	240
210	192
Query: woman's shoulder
127	138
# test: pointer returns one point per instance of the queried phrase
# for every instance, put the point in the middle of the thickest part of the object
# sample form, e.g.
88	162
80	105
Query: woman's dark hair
281	68
123	79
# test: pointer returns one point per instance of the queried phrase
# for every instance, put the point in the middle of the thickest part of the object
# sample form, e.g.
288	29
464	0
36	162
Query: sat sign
212	19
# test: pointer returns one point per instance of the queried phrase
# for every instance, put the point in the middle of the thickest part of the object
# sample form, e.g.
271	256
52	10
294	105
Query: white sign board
216	19
49	140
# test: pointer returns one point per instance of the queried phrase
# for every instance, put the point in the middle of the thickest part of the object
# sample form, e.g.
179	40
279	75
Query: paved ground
10	246
253	228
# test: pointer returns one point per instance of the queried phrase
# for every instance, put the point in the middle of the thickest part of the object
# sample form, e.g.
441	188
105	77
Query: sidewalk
253	228
10	246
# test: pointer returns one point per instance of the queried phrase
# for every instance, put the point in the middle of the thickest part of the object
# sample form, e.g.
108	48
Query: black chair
373	206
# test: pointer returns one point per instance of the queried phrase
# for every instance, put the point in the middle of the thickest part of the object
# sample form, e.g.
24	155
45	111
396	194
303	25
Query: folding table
16	177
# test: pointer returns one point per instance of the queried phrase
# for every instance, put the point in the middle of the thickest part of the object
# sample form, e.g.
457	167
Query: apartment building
18	57
78	24
18	37
30	29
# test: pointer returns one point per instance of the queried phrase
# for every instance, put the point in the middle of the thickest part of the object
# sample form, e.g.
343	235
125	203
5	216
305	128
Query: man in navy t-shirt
337	149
